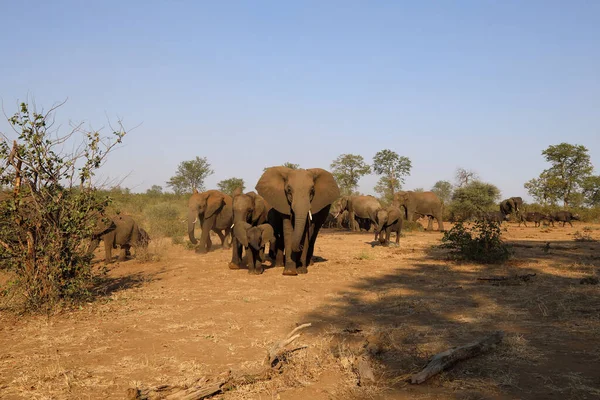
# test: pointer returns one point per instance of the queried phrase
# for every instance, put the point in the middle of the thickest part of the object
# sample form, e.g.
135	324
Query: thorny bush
49	207
481	243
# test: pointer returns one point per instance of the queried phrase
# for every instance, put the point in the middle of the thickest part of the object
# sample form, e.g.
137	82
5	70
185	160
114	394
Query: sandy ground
188	315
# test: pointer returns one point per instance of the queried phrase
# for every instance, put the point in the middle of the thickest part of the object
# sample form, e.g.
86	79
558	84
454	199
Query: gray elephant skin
511	205
360	207
254	240
122	231
388	220
213	209
422	203
249	208
301	199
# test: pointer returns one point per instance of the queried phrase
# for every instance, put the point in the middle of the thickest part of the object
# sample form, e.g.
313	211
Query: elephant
214	211
495	216
423	203
254	239
564	217
298	196
122	231
388	220
249	208
360	207
511	205
535	217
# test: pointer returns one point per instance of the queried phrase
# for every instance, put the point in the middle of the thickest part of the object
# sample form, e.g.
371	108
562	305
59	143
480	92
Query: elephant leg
429	223
354	226
205	242
397	236
220	235
257	255
93	246
290	263
109	242
250	259
236	254
123	253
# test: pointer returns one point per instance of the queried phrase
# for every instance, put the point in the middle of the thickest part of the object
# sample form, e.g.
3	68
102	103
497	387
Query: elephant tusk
231	227
336	215
196	220
309	215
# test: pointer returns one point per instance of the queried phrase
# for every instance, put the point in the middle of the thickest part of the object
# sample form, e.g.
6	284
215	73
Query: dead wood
507	279
204	387
448	358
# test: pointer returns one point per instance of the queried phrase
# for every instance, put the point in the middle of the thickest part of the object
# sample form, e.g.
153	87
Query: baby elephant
388	220
254	239
121	231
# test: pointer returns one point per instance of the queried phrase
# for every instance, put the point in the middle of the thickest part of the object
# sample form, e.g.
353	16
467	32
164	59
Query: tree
544	189
190	175
229	185
443	190
591	190
571	165
474	198
418	190
393	169
287	164
53	206
465	176
155	191
347	170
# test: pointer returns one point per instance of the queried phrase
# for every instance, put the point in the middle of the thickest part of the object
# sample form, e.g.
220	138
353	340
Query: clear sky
485	85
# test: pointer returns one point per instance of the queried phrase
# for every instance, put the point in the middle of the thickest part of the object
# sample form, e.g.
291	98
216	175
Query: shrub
52	208
480	243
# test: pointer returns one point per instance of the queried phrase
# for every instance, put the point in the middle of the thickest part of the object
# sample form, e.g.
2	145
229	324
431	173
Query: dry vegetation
172	316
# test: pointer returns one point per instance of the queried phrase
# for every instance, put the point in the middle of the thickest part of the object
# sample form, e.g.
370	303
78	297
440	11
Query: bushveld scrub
480	243
52	208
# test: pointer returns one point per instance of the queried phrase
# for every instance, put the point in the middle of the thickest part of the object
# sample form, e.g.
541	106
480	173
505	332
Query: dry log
448	358
203	387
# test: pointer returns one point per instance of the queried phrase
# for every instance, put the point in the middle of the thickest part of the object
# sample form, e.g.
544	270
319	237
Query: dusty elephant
511	205
297	197
122	231
423	203
364	207
254	239
388	220
214	211
247	208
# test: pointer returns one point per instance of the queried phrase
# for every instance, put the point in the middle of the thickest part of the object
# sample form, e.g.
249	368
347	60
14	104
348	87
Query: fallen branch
525	278
203	387
448	358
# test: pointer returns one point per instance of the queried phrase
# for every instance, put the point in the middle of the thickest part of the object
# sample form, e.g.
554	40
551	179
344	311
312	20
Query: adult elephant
248	208
297	197
423	203
214	211
122	231
362	207
511	205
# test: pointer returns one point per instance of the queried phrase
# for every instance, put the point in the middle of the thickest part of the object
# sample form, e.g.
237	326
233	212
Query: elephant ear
271	186
394	214
214	202
267	233
240	230
260	208
326	189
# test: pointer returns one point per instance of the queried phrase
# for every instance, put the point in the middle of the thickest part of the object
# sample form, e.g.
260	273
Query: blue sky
484	85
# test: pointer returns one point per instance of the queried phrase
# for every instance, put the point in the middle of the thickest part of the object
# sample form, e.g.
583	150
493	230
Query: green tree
591	190
347	170
392	168
474	198
229	185
545	189
571	165
155	191
287	164
443	190
420	189
53	207
190	175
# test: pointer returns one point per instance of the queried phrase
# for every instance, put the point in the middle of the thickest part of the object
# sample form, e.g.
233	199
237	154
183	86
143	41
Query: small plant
164	221
364	256
412	226
480	243
583	237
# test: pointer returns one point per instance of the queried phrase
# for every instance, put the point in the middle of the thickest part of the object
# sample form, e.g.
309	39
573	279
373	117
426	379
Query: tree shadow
105	286
429	304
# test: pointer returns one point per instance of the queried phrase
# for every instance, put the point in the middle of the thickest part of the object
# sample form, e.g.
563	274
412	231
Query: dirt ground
187	315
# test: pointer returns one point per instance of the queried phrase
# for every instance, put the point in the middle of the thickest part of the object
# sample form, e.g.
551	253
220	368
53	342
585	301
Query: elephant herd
287	211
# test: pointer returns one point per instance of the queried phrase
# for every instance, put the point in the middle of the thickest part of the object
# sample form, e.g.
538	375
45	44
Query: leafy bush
480	243
52	208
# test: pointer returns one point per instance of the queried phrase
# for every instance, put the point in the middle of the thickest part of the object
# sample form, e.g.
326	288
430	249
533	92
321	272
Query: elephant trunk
192	215
300	216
